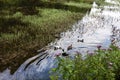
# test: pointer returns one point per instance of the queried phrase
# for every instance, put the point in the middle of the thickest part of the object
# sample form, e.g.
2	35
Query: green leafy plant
102	65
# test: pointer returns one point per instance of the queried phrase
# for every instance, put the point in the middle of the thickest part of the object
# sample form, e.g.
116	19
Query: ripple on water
99	28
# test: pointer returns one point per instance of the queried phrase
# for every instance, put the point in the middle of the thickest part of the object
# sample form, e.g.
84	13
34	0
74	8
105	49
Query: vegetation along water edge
28	25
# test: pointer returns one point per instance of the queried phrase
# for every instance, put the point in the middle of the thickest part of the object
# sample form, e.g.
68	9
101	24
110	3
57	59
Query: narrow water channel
100	27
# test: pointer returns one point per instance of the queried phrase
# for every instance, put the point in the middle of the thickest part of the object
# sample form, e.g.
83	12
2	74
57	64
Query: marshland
65	39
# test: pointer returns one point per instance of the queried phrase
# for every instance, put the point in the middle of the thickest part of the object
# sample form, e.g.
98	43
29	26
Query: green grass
48	21
22	35
102	65
38	31
78	4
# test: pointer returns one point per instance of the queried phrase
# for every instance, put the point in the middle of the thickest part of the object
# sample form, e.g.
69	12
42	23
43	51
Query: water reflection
99	28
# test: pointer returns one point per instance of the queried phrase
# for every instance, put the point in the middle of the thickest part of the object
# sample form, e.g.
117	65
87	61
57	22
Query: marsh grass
78	4
102	65
22	35
27	34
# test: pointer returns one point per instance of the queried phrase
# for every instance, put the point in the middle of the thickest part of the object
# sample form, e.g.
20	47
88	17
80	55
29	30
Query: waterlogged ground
98	29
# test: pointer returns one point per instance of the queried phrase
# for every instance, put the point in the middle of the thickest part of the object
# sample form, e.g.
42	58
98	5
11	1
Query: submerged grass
102	65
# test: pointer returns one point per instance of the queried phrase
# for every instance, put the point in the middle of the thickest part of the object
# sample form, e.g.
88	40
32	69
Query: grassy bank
22	35
103	65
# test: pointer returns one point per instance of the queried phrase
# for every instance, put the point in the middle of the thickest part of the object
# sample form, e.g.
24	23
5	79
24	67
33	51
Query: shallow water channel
99	27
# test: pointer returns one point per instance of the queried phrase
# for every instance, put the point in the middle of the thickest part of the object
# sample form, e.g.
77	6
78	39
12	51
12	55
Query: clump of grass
103	65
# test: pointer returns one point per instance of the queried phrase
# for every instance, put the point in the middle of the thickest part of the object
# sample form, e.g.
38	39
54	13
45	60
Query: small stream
100	27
